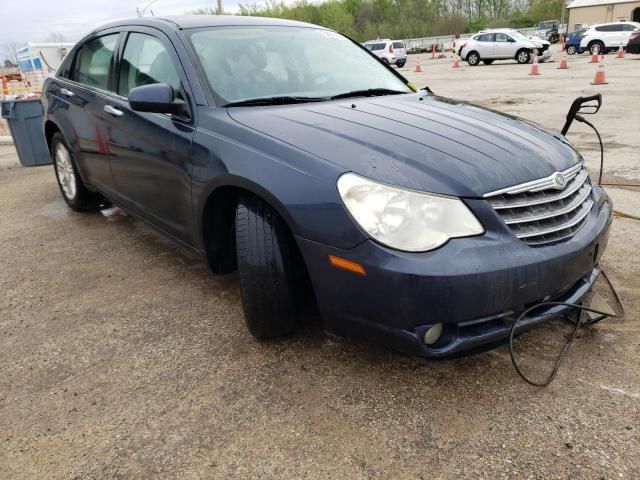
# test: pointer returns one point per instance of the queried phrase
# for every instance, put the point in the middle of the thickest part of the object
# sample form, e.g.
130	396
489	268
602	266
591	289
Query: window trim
74	65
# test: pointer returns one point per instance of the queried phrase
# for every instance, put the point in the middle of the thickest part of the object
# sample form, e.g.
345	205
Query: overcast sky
35	20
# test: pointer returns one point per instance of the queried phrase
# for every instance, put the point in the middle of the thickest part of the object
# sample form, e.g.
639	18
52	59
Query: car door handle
66	92
113	111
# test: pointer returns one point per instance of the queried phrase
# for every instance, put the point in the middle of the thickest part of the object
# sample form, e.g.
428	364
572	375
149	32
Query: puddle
57	209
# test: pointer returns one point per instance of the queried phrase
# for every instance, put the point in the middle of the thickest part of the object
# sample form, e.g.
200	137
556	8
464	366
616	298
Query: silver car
391	52
502	44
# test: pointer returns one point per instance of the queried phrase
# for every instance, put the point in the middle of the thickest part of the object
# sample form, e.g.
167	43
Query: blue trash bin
25	123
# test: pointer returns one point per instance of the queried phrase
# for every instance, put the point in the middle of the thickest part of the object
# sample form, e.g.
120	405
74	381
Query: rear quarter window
398	44
377	46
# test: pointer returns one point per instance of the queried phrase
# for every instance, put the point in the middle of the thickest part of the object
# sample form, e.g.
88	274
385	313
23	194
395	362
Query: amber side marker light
347	265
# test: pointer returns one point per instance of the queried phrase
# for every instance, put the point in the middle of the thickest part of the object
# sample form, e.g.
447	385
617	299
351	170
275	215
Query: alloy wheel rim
523	57
64	170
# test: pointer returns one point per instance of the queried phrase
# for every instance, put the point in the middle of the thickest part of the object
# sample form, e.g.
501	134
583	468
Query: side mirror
156	98
584	105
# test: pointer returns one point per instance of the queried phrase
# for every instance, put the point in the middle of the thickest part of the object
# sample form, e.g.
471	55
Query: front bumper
546	55
476	286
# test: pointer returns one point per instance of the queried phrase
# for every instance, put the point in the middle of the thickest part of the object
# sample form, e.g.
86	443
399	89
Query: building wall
586	16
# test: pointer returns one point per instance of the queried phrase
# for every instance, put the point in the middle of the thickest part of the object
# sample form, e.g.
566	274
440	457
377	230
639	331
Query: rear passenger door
150	158
485	45
83	95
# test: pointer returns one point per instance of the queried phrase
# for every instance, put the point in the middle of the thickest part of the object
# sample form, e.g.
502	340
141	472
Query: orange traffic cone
456	62
620	53
433	51
418	67
599	78
563	63
594	58
534	66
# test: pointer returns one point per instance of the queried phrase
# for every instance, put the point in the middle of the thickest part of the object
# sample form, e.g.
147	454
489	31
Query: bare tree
55	37
11	52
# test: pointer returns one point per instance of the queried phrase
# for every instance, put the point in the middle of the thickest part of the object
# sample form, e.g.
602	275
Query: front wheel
523	56
473	58
571	50
400	63
265	252
73	190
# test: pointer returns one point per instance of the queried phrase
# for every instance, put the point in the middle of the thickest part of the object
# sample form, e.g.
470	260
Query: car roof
199	21
611	23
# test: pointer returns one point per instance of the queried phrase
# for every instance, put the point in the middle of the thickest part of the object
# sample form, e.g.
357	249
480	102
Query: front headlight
405	219
537	45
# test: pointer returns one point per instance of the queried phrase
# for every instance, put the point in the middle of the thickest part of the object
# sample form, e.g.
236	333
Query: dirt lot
122	357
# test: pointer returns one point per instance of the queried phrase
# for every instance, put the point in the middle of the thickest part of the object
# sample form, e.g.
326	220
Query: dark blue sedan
289	153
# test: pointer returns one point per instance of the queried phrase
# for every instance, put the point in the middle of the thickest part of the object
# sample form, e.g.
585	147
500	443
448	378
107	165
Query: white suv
392	52
607	36
502	44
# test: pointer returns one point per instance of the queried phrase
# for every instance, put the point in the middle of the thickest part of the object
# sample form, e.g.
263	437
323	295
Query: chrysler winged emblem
559	181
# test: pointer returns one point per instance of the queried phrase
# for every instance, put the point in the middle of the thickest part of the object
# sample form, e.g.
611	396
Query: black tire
571	50
401	63
487	62
81	199
265	253
385	61
596	47
523	56
473	58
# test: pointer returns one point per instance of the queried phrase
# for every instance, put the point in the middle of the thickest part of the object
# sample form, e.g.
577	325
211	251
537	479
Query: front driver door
150	159
503	46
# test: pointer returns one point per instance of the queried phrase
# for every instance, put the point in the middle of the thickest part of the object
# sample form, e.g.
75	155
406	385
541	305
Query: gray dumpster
25	123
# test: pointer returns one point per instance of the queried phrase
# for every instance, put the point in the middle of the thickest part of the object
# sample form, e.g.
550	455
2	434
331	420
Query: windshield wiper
282	100
370	92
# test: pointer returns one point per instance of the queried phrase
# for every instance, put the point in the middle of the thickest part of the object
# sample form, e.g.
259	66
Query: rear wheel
473	58
571	50
265	253
523	56
386	62
487	62
400	63
596	47
73	190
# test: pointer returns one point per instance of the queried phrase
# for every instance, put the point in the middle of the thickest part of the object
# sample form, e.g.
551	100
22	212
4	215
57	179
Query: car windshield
517	35
546	25
258	62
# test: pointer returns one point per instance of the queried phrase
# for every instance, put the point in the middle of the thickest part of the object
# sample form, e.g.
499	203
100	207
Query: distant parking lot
122	357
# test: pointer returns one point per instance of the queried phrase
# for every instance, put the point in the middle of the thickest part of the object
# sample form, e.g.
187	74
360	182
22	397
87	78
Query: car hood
423	142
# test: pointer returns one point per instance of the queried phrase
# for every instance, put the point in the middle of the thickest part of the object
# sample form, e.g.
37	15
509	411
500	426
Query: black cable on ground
579	323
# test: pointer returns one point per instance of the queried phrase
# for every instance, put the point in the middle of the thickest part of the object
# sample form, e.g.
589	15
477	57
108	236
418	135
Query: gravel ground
122	357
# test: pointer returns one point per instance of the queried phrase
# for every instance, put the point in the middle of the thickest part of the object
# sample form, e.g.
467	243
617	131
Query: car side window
146	61
94	61
501	37
629	28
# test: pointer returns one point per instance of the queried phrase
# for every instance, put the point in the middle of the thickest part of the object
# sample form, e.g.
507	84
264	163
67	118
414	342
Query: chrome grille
542	211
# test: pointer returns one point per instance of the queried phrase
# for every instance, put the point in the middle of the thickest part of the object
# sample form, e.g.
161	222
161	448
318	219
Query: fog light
432	335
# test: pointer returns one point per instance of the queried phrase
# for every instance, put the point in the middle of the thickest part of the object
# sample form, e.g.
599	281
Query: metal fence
444	42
